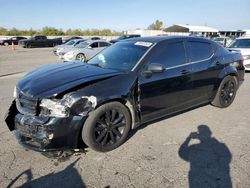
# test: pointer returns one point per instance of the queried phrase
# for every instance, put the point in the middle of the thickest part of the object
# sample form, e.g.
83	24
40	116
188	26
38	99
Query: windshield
240	43
121	56
71	42
82	45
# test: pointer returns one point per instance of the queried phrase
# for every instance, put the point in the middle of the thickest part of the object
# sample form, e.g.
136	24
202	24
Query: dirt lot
152	156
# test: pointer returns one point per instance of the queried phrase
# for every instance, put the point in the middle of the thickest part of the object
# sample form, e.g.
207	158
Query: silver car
85	50
58	50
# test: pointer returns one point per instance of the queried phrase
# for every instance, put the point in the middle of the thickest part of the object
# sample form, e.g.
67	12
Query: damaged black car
98	102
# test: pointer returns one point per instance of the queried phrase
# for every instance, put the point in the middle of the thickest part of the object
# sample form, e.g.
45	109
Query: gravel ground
160	154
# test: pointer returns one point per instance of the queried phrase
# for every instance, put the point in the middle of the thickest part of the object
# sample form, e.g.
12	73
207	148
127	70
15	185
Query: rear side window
169	54
199	51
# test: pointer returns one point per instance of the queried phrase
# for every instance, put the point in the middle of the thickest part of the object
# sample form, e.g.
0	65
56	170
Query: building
145	32
232	33
192	30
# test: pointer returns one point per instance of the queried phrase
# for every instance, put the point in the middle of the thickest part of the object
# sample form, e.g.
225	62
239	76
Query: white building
145	32
192	29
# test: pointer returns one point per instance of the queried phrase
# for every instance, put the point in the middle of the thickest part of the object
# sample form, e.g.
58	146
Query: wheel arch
228	71
127	103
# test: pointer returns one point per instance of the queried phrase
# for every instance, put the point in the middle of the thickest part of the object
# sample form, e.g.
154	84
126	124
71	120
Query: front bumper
45	134
67	58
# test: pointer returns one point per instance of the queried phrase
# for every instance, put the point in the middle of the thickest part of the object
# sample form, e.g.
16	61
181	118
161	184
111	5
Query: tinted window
199	51
103	44
94	45
240	43
169	55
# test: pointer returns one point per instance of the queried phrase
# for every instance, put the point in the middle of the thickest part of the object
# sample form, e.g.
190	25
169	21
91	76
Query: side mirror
156	68
89	47
153	68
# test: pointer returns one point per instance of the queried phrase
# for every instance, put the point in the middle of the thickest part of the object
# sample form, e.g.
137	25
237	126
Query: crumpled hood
53	79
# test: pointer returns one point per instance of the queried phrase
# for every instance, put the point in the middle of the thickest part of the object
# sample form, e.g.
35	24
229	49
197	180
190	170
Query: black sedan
11	40
60	106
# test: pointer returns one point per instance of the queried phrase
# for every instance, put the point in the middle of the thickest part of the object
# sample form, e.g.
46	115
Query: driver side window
169	54
94	45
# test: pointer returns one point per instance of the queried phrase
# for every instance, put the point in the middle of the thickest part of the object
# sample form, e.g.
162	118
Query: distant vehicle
242	45
9	41
124	37
66	39
71	38
95	38
85	50
59	48
136	81
224	41
39	41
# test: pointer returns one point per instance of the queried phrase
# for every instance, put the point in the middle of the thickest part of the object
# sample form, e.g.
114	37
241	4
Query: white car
60	48
224	41
85	50
242	45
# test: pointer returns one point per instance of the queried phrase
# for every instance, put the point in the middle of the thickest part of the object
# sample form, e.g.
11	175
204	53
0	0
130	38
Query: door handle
185	71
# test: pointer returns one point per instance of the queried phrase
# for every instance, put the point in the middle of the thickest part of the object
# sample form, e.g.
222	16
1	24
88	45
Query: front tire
81	57
226	92
6	44
107	127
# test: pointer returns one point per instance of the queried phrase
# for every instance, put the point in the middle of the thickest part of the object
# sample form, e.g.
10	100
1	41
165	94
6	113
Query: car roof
99	40
157	39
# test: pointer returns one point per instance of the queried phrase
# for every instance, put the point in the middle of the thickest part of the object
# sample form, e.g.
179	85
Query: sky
123	15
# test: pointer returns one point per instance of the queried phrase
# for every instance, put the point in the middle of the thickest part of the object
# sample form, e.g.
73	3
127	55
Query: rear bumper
46	134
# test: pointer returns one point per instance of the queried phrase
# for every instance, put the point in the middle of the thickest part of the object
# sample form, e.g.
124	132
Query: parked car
59	106
124	37
242	45
67	39
39	41
85	50
224	41
11	40
59	48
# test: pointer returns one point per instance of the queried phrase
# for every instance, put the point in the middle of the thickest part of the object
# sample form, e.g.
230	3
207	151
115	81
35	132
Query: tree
157	25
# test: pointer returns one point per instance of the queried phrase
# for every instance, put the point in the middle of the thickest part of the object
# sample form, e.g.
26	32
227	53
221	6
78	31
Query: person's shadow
209	160
69	177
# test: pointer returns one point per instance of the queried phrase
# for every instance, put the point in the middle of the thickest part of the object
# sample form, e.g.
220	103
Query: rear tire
107	127
28	45
6	44
226	92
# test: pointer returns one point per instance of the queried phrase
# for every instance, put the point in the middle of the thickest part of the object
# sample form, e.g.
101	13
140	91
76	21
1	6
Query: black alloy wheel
110	127
107	127
226	92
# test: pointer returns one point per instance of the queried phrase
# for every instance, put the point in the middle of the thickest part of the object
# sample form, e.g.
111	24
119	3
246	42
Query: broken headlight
68	105
53	108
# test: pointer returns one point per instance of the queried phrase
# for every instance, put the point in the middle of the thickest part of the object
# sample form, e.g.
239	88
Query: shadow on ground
69	177
209	160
